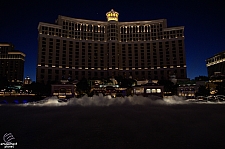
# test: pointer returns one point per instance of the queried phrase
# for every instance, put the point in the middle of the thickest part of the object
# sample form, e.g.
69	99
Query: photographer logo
7	138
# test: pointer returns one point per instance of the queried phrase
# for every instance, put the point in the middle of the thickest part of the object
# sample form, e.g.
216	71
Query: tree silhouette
3	82
202	91
83	86
220	88
128	82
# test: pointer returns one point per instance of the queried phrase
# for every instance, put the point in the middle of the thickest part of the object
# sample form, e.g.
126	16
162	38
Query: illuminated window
153	90
159	90
148	90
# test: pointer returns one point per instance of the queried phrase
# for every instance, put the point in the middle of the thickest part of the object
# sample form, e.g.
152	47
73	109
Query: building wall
79	48
187	91
220	67
216	64
11	63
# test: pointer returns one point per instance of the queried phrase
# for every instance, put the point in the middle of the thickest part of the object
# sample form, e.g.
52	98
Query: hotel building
216	64
11	63
75	48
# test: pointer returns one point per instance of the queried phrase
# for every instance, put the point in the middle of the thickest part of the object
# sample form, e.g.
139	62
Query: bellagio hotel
76	48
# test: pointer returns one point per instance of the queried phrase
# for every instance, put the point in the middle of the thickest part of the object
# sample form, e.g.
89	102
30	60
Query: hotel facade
11	63
76	48
216	64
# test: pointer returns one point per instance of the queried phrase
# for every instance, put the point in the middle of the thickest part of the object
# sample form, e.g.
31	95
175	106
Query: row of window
96	32
56	75
217	58
123	28
113	36
131	59
74	44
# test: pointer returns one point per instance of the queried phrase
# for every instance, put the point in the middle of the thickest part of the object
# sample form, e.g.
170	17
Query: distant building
202	78
65	88
217	79
148	89
216	64
11	63
187	90
76	48
27	80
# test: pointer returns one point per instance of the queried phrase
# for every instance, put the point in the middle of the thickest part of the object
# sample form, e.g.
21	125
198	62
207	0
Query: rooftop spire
112	15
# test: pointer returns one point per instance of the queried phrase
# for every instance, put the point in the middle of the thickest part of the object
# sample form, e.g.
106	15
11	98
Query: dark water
115	126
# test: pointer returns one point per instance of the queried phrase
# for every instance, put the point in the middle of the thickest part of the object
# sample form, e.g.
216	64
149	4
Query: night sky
203	20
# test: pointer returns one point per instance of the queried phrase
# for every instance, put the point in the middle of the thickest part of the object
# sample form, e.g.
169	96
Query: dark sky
203	20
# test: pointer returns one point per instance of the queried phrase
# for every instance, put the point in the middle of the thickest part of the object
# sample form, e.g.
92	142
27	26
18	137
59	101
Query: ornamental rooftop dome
112	15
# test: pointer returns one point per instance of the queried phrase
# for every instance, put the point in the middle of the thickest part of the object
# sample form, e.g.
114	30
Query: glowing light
112	15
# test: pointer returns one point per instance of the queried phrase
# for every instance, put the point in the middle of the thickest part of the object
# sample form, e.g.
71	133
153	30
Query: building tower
113	54
75	48
27	80
11	63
